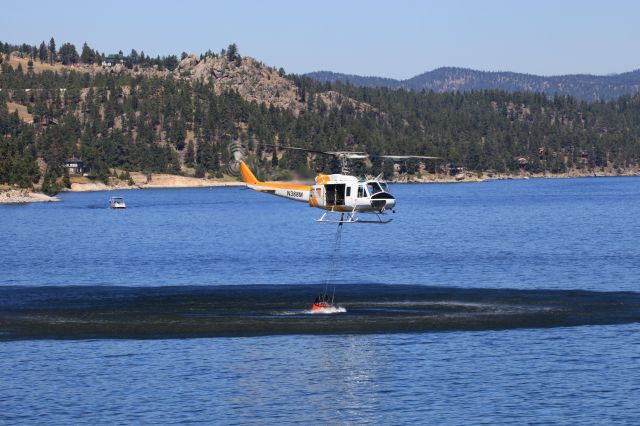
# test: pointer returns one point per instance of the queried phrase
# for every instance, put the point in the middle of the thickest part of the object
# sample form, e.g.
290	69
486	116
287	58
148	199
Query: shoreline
101	187
144	181
12	195
473	177
23	196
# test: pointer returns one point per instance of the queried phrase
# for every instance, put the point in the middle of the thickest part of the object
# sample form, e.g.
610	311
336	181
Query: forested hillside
186	117
450	79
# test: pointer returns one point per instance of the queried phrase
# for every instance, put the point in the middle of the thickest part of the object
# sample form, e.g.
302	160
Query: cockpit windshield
374	187
384	186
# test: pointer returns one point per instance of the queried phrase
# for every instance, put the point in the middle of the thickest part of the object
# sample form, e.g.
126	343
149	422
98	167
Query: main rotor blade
352	155
405	157
347	154
295	148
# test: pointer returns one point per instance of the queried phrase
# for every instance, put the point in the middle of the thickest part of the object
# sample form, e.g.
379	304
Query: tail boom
291	191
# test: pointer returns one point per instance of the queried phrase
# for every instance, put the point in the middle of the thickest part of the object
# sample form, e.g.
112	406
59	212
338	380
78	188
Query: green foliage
170	62
88	55
582	87
42	52
189	156
68	54
17	154
232	52
66	179
138	123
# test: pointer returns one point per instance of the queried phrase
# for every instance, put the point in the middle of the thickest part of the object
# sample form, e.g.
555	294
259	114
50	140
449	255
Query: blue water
536	234
583	375
510	234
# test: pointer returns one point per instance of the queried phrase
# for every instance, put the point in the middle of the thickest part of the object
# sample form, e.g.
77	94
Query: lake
503	302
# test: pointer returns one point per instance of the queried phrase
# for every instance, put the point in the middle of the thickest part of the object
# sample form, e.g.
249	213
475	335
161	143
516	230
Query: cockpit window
384	186
374	187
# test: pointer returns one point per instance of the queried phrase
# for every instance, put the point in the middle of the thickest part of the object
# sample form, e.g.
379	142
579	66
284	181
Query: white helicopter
336	193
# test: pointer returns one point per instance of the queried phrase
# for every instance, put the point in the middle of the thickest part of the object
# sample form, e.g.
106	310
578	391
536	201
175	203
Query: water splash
210	311
327	310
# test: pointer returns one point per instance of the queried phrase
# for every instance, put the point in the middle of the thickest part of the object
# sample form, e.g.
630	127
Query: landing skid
351	218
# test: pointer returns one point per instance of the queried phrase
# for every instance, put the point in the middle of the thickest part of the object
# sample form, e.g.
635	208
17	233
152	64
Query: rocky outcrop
18	196
252	80
336	99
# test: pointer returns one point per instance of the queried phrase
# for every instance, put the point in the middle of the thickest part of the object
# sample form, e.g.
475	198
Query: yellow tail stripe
250	179
247	175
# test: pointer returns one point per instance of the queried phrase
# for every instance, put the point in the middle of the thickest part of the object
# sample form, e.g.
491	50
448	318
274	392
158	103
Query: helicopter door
334	194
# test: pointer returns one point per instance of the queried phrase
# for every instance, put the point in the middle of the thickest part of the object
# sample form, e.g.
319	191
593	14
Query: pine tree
232	51
87	55
133	57
68	54
189	156
42	52
52	50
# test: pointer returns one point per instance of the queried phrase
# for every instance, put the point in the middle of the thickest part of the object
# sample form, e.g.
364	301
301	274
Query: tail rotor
237	153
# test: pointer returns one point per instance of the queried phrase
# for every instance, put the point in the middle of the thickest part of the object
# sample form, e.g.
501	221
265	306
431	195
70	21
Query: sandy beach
140	181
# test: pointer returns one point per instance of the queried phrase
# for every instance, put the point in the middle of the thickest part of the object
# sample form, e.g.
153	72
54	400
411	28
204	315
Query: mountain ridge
132	116
585	87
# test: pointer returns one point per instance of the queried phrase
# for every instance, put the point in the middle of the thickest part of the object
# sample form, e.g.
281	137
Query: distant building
451	169
74	166
111	60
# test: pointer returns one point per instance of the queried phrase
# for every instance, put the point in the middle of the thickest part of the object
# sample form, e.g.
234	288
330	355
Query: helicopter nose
383	201
390	204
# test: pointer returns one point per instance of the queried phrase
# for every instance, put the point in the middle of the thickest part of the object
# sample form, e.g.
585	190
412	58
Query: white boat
117	203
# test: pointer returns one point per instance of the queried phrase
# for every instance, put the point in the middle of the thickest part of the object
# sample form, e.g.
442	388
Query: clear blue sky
396	39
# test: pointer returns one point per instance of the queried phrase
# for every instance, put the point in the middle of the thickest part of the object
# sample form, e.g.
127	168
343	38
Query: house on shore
74	166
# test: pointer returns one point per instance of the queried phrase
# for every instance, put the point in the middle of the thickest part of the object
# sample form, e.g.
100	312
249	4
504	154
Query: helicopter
340	193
